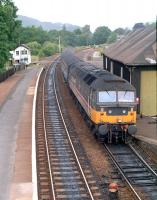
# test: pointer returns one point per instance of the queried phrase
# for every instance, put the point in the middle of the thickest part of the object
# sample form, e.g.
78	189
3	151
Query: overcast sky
111	13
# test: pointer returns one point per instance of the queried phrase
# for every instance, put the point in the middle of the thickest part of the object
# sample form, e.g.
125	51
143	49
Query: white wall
22	55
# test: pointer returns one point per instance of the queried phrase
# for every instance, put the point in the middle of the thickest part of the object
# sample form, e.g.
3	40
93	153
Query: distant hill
27	21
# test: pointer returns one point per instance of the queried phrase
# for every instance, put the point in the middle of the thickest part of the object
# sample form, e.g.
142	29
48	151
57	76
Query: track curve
60	174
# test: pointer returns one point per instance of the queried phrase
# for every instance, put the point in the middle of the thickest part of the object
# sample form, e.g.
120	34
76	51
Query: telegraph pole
59	44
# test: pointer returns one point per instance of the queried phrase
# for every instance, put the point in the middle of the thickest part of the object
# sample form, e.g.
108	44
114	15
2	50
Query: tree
49	48
9	26
67	38
53	36
112	37
120	31
77	31
101	35
30	34
86	35
150	24
35	47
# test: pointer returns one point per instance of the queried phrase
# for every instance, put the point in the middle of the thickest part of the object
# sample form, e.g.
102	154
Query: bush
2	70
35	47
49	49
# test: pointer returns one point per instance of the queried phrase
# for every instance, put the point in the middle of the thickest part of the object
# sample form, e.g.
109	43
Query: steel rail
34	165
140	157
45	133
121	171
67	132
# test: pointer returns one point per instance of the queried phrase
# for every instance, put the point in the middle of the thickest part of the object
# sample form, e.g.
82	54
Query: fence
10	72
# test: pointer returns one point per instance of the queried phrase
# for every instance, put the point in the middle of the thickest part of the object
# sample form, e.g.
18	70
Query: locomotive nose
132	129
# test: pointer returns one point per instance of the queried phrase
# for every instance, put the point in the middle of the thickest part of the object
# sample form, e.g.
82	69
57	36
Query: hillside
27	21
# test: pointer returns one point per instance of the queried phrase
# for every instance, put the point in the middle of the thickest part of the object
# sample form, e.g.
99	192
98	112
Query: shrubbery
9	29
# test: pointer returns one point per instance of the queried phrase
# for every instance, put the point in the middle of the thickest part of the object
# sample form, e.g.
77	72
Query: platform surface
16	96
147	129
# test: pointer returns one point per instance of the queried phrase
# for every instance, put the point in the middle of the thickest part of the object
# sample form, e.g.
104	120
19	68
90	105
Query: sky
111	13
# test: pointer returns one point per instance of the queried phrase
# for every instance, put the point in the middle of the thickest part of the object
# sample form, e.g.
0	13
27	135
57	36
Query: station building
21	55
133	58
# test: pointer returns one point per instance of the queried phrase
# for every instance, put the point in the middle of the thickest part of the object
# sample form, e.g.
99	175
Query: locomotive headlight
110	111
119	120
124	111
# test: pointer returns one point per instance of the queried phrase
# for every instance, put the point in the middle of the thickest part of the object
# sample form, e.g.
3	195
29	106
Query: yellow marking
101	117
30	91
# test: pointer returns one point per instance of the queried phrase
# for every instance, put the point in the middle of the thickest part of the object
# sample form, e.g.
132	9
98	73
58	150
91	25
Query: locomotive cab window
106	96
126	96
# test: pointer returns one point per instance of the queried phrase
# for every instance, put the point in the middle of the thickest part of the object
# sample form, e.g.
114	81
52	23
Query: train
106	101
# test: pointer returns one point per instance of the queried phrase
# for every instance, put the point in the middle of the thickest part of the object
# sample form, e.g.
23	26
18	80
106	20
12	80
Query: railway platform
147	129
16	97
147	133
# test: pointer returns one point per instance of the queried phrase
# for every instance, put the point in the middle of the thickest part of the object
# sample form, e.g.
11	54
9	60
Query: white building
21	55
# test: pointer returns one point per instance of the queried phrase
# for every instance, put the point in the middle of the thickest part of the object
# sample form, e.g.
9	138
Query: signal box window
17	53
24	52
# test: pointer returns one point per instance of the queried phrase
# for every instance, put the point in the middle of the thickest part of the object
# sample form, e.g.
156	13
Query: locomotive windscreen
126	96
114	96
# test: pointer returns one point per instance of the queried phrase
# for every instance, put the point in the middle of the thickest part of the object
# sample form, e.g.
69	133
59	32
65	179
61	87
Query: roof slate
137	48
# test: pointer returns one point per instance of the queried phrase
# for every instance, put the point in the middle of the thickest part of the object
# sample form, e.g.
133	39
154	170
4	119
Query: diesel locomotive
107	102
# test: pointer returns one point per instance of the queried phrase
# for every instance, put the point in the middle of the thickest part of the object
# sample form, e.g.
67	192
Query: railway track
146	154
62	173
139	176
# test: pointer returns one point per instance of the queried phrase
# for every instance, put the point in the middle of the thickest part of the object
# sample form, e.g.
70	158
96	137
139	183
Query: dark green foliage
35	38
53	36
33	33
68	39
120	31
35	47
101	35
9	29
151	24
49	49
112	38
